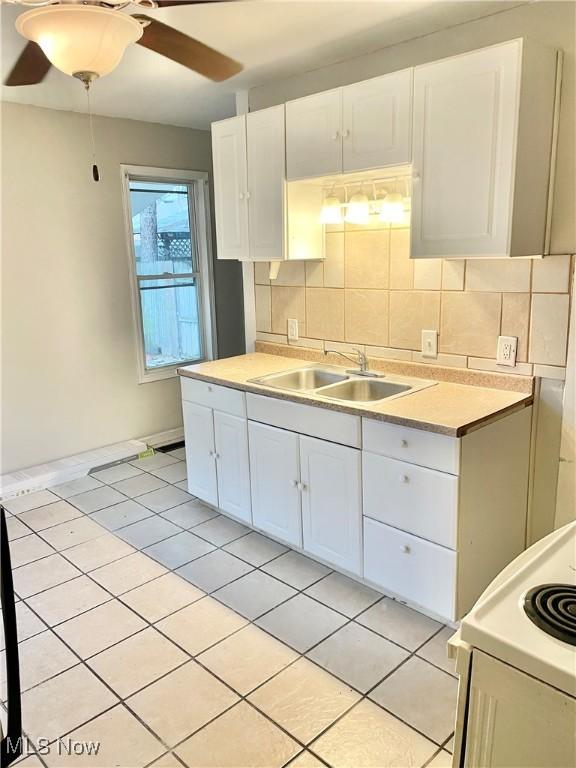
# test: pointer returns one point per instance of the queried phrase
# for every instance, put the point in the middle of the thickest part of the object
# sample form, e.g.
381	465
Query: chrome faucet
362	361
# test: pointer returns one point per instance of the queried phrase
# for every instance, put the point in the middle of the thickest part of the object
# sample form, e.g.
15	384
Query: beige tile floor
175	636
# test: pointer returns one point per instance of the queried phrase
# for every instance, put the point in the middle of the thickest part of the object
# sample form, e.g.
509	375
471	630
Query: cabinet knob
404	479
303	487
335	136
345	133
415	176
404	443
406	549
295	483
241	195
247	195
211	454
216	456
209	388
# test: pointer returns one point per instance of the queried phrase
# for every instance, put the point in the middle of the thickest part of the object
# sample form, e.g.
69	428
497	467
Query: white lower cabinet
425	517
232	465
331	502
200	451
274	477
217	459
410	567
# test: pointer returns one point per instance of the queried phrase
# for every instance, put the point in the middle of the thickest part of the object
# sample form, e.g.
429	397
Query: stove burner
552	607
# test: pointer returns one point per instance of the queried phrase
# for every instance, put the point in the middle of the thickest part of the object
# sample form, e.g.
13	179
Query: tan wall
368	292
68	344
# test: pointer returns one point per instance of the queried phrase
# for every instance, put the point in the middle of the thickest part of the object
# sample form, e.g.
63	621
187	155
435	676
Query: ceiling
273	38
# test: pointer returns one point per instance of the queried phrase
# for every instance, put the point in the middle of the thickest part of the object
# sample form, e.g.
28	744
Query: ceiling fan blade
168	3
187	51
32	66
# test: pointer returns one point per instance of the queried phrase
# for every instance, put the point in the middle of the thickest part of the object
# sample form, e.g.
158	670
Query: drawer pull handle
406	549
404	443
404	479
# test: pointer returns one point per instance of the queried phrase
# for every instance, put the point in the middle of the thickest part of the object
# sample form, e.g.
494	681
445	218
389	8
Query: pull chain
87	78
95	171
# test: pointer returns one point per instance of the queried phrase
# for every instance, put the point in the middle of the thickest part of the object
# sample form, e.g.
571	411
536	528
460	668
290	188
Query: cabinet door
313	135
465	126
377	122
274	476
232	465
331	503
266	178
200	451
230	187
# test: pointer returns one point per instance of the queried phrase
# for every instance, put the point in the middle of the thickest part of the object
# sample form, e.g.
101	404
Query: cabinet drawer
305	419
214	396
416	446
409	567
412	498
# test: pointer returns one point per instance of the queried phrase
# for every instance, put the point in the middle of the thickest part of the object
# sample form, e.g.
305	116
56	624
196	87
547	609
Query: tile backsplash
369	293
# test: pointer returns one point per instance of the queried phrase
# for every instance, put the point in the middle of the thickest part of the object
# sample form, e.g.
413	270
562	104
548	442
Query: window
168	227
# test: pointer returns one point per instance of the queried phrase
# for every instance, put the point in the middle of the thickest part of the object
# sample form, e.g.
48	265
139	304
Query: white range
516	657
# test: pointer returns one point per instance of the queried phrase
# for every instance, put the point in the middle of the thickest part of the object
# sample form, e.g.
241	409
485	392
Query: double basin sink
332	383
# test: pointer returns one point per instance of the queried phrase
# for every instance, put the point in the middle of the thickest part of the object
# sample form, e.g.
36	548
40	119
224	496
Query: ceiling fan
87	39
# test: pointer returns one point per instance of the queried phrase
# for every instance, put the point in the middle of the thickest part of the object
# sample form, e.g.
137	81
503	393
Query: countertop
448	408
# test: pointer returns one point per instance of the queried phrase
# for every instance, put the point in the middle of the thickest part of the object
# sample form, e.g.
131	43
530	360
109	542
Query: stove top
527	616
552	607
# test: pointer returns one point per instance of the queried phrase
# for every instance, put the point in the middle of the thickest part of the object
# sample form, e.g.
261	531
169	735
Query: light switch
292	329
429	343
506	351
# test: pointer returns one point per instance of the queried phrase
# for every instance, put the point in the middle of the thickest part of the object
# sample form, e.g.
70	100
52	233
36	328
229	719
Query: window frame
200	222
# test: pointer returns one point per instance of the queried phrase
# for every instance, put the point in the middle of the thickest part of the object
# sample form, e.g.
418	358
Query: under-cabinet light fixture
331	212
358	209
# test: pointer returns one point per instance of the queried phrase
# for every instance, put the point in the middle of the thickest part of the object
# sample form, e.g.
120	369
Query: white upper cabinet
249	157
331	502
230	187
313	135
266	181
482	141
377	122
361	126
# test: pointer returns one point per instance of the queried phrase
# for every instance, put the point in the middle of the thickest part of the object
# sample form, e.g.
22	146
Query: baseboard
64	470
164	438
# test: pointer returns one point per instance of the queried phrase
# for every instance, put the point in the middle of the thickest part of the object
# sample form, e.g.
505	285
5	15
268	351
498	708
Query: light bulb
358	211
79	38
392	209
331	212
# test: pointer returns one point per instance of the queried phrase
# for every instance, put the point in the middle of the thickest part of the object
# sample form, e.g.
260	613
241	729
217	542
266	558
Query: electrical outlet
506	351
292	329
429	343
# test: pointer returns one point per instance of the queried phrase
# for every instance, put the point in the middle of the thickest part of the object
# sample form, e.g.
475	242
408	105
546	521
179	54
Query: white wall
550	23
68	343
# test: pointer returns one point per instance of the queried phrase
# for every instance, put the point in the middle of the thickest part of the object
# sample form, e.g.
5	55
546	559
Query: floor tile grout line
252	622
209	671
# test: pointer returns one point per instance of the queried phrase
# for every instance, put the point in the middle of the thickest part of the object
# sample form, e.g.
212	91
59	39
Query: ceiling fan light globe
79	38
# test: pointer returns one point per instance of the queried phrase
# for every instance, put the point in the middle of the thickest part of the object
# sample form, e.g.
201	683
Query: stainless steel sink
303	379
364	390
